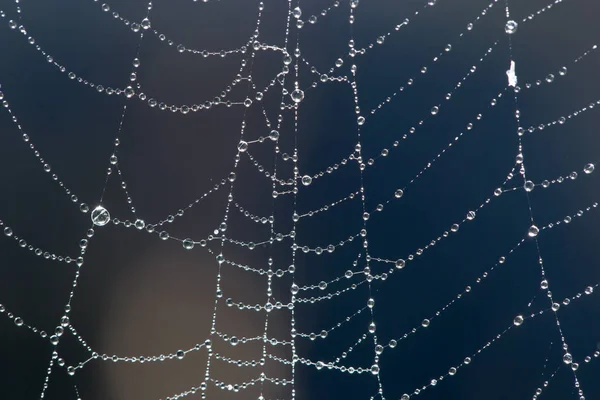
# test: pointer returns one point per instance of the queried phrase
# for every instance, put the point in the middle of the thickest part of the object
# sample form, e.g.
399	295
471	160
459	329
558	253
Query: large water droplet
100	216
511	27
188	244
518	320
533	231
297	95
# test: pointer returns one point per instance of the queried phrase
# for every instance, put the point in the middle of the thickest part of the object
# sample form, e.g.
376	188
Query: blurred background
139	295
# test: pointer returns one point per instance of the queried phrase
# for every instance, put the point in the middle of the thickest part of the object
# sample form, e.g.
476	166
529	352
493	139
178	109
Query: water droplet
372	327
589	168
306	180
533	231
511	27
518	320
575	367
188	244
519	158
242	146
297	95
100	216
274	135
529	186
129	92
375	369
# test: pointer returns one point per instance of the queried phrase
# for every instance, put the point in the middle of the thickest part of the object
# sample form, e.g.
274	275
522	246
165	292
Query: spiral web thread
368	270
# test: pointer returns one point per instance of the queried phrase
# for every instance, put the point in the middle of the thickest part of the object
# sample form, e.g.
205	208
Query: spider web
302	199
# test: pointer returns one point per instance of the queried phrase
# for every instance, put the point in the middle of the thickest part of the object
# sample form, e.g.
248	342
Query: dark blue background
169	159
